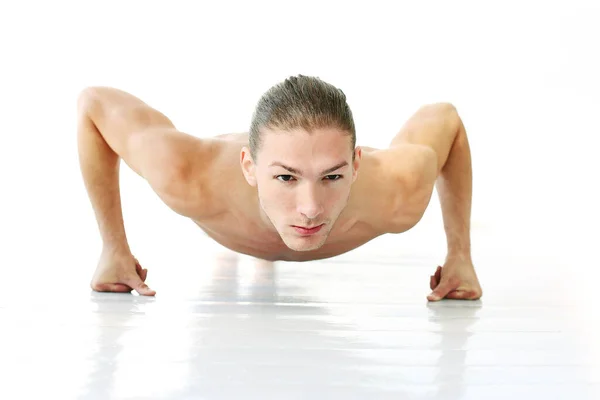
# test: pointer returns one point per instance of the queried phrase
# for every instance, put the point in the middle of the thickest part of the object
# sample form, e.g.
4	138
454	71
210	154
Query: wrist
116	248
459	255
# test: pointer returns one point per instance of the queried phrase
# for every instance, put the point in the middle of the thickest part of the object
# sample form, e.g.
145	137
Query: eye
284	178
333	177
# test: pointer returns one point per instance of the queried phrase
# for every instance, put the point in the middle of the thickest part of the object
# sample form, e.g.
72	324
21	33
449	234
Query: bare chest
379	203
246	238
353	229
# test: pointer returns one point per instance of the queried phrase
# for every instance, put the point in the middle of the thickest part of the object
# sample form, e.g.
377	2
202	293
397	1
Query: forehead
299	143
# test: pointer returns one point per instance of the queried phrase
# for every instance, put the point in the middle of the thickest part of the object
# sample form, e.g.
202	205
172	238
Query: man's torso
384	199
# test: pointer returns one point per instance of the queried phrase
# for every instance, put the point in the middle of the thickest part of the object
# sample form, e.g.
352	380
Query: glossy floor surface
353	327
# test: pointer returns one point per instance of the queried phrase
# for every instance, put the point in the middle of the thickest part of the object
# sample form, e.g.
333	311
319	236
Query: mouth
304	231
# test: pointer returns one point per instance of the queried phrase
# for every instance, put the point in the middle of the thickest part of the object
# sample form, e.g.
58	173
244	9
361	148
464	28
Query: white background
523	75
525	78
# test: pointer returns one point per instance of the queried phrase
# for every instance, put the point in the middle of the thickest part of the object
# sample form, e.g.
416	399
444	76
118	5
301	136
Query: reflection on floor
353	327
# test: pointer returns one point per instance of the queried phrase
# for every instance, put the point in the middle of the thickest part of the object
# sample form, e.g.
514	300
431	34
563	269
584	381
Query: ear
356	163
248	166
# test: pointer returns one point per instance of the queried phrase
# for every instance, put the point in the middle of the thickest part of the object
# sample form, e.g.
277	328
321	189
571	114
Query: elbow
441	108
91	95
444	112
444	108
448	114
87	98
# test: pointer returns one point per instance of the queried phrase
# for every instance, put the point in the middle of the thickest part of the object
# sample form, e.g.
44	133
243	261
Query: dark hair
301	102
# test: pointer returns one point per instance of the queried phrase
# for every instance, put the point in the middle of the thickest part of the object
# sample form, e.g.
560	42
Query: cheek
338	196
274	196
285	200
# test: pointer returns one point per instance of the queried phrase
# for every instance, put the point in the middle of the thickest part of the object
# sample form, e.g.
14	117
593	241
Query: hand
456	280
120	272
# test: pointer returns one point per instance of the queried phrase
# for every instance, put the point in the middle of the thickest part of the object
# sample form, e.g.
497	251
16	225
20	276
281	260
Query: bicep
175	164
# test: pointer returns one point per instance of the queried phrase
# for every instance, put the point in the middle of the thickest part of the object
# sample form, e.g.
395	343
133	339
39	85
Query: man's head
302	158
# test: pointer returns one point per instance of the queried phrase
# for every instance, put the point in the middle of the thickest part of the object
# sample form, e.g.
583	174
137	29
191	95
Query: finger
144	274
434	279
139	286
140	271
144	290
138	268
113	287
433	282
445	287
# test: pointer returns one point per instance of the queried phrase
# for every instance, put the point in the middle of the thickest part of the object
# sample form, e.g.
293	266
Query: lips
305	231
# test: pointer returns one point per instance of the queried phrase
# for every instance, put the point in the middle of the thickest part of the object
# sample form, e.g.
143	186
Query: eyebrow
298	172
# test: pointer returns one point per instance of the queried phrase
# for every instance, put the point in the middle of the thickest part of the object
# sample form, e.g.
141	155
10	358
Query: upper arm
172	162
119	116
434	126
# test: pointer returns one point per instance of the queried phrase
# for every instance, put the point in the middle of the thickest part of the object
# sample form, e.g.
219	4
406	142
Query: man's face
303	182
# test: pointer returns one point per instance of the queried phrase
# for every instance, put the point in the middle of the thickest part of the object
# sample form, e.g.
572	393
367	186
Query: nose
308	202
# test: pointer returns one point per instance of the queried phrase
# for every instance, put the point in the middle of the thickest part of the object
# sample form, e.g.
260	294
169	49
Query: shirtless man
296	187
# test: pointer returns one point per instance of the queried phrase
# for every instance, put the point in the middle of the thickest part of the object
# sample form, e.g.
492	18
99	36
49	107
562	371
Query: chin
303	248
304	244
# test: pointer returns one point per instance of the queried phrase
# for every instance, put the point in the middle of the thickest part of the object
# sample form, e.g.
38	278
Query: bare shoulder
192	175
394	186
414	164
209	179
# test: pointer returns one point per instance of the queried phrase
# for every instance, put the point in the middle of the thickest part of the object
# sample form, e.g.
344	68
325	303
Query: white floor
353	327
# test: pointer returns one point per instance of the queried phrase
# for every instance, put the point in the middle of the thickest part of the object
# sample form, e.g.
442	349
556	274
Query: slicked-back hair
301	102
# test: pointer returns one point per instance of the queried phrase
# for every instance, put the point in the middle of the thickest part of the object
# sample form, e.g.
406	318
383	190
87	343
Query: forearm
100	170
454	187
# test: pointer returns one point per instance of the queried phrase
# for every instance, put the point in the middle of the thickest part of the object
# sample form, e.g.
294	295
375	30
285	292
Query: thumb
136	283
445	287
